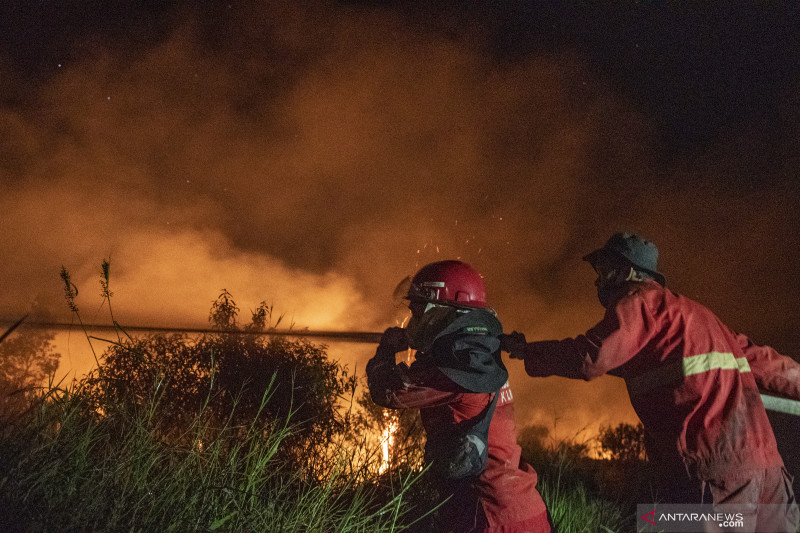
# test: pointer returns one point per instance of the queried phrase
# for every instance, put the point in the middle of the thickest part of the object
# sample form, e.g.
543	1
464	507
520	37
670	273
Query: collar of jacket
468	352
629	288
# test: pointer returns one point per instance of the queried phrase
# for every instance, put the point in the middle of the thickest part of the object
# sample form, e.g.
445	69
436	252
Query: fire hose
344	336
772	403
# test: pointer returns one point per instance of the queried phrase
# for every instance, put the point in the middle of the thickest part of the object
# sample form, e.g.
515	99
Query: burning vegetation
311	153
226	430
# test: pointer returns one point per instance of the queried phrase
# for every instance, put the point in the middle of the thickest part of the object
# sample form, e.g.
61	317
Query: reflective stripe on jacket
692	381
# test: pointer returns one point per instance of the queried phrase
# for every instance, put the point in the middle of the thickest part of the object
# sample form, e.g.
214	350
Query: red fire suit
692	381
504	497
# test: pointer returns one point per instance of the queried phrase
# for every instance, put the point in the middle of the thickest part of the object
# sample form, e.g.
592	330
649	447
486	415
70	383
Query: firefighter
692	381
459	384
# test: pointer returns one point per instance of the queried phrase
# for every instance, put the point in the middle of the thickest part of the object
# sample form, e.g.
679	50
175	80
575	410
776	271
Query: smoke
313	158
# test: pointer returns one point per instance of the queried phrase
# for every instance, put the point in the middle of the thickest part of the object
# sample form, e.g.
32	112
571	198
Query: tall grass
66	467
574	489
574	506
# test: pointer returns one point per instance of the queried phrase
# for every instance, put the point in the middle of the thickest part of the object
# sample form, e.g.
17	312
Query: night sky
313	156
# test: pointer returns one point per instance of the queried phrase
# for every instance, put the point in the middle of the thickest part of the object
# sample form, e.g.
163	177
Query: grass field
66	467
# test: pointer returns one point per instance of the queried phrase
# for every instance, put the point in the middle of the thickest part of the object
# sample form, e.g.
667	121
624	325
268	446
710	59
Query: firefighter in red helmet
692	381
459	384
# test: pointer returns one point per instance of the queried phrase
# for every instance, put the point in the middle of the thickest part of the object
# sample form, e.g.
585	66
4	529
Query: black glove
393	340
514	343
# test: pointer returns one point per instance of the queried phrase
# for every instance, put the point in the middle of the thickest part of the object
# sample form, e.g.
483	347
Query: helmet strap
635	275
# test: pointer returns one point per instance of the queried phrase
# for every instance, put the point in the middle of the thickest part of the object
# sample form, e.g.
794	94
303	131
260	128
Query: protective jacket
692	381
441	383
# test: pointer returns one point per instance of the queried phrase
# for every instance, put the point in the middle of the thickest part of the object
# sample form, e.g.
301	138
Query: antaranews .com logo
683	518
732	518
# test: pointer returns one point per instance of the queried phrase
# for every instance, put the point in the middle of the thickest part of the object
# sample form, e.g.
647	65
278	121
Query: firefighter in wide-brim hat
692	381
460	385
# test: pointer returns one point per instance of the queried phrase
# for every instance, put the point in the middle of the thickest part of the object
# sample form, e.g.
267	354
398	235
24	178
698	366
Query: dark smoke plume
313	157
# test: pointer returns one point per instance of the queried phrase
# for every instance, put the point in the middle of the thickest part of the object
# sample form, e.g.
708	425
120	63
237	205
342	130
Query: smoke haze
313	158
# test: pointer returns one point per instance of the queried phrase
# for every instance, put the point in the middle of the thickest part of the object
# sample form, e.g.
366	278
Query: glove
393	340
514	343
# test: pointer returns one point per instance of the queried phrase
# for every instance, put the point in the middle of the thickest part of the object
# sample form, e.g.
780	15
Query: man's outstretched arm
622	333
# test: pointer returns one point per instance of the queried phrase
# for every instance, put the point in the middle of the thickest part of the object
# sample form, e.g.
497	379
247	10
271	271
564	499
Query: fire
387	439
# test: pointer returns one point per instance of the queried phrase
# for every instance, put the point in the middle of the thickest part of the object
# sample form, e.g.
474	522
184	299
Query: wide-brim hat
639	252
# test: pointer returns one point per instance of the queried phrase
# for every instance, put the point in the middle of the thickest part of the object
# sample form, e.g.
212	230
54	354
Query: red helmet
451	282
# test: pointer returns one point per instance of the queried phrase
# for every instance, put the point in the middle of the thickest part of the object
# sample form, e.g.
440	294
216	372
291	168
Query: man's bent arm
402	387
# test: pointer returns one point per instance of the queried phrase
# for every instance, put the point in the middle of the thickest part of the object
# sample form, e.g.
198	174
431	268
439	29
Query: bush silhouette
623	442
235	376
27	360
